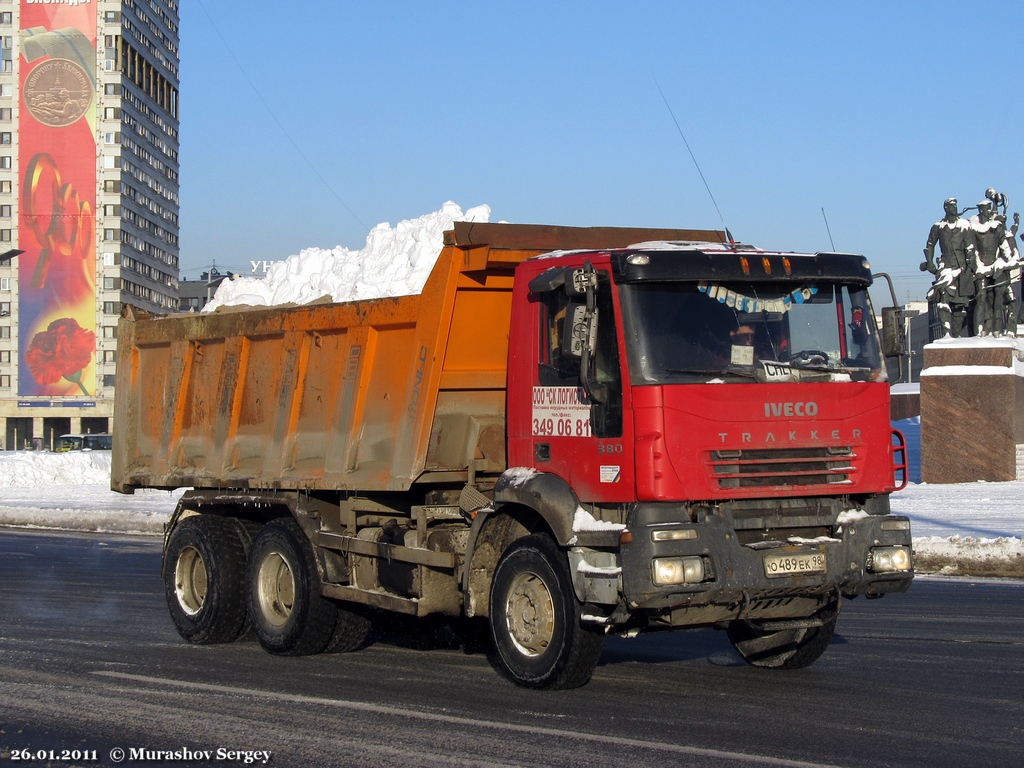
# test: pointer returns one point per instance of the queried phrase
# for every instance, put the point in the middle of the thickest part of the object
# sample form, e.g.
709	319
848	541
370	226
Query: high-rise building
88	201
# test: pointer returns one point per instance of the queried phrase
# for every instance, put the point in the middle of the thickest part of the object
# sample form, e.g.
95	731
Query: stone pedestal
972	411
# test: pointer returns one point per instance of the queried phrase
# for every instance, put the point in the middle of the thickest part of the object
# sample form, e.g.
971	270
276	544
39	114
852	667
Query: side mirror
894	340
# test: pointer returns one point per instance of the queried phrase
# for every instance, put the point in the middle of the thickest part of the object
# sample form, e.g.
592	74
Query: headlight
674	534
889	559
895	525
677	570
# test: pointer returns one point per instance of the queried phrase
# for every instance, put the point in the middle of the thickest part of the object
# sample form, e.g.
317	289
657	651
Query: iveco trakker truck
569	433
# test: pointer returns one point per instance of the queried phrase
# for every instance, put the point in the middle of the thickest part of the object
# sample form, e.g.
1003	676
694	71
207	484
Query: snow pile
395	262
1001	556
71	491
584	521
28	469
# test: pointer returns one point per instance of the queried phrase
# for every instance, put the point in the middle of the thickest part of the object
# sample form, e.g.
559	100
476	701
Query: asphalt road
89	661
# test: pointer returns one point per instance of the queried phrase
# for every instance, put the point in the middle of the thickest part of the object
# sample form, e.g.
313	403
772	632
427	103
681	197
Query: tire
351	630
787	648
474	634
535	619
247	531
204	579
289	615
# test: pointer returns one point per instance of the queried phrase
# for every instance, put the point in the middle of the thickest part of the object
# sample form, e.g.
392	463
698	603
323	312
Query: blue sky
308	122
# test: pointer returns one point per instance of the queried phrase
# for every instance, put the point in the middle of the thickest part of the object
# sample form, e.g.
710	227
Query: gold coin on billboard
58	92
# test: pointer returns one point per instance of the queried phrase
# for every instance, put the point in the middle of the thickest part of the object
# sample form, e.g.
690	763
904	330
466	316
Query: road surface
90	663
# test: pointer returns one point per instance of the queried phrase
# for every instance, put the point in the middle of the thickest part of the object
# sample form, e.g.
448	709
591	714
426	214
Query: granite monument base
972	411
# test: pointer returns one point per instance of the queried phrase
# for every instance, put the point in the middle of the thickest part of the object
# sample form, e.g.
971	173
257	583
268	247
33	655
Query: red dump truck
569	433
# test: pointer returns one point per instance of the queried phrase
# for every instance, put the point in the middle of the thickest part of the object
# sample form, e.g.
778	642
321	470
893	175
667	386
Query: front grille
761	468
779	520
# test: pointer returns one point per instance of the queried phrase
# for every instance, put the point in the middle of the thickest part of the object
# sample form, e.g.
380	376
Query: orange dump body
369	395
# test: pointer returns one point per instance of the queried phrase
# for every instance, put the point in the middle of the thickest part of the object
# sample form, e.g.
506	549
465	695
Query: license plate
794	564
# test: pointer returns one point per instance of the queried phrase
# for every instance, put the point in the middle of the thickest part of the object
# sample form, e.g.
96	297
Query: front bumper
745	568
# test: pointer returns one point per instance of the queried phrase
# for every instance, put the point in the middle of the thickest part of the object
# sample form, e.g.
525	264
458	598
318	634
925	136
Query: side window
560	367
606	417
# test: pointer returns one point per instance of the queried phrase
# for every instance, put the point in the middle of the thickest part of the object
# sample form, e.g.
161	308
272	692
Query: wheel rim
190	580
530	614
276	589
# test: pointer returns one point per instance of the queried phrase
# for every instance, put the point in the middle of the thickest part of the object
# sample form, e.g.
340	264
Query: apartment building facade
88	201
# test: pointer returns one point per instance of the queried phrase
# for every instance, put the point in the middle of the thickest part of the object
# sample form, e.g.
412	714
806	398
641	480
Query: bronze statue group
977	266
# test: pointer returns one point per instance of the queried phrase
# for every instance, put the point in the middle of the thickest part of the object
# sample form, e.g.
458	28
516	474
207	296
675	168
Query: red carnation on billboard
63	350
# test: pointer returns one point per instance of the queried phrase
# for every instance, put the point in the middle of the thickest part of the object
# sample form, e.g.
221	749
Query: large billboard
57	199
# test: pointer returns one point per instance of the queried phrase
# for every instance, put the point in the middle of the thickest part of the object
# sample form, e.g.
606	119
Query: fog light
677	570
889	559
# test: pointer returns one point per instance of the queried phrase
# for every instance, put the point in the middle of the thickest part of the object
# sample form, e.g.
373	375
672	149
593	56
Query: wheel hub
190	580
276	589
530	613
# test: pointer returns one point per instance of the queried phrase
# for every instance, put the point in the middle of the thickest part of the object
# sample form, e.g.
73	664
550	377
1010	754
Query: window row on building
166	190
154	32
144	133
166	213
128	96
147	76
146	157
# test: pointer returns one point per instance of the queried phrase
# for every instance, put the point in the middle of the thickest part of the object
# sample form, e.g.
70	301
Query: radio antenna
827	228
683	137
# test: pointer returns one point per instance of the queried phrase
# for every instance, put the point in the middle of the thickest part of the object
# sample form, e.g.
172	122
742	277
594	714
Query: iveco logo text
809	408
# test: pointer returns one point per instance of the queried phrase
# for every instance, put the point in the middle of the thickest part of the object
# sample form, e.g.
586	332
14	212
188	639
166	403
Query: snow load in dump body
395	261
367	395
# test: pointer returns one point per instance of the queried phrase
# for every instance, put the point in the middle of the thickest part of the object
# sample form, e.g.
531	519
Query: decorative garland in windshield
744	303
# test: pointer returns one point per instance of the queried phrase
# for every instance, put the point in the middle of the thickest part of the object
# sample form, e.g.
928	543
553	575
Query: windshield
740	331
98	442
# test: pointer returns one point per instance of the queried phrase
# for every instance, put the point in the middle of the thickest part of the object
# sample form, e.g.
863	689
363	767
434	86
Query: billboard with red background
57	200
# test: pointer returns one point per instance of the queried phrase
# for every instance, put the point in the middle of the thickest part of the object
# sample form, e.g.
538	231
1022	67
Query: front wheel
786	648
535	619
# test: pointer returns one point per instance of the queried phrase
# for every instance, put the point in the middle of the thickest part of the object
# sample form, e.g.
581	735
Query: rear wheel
289	614
786	648
535	619
204	577
247	531
352	629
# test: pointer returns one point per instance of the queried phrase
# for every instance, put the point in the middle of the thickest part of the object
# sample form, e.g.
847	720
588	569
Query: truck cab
719	416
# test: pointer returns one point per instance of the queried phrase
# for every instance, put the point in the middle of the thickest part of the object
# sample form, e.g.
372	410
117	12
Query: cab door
579	435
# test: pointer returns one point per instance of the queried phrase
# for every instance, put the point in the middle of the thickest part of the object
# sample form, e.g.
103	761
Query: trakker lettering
793	436
776	410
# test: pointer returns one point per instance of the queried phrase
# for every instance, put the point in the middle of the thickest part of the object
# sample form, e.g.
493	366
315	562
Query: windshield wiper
711	372
813	360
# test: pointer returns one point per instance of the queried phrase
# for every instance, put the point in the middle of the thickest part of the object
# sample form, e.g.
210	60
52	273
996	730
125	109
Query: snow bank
1002	556
395	262
28	469
71	491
